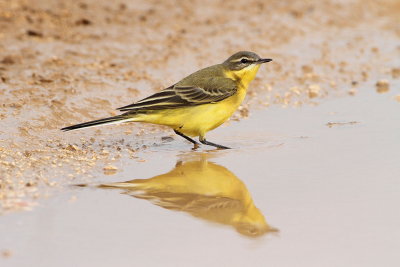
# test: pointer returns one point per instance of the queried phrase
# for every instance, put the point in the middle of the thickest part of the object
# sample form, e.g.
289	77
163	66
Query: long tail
109	120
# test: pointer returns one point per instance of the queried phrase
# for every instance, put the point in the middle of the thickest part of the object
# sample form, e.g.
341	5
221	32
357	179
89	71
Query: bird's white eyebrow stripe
244	57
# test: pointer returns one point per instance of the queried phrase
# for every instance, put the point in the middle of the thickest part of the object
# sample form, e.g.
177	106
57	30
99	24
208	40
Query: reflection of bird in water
205	190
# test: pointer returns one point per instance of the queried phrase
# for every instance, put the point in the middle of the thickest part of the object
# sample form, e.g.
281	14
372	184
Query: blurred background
334	81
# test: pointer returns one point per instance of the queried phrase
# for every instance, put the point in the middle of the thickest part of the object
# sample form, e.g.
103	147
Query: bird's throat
244	76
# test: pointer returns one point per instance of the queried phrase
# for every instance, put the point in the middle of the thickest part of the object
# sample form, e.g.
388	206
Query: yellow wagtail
198	103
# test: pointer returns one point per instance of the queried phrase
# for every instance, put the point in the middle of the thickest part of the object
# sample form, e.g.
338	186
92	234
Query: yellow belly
196	120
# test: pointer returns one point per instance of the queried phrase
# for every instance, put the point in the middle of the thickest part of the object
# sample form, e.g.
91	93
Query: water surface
331	192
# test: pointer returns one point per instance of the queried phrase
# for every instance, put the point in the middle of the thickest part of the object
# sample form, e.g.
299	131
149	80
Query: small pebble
6	253
382	86
352	92
71	148
313	90
395	73
110	170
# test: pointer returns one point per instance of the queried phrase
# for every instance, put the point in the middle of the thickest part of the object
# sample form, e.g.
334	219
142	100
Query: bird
196	104
203	189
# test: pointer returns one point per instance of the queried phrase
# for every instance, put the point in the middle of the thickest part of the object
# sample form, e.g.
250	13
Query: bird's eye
244	60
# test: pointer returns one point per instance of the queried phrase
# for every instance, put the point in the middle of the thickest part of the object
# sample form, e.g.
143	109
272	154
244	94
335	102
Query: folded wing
202	91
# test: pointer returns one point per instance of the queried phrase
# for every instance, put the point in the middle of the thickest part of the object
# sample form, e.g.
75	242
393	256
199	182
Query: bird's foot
195	146
205	142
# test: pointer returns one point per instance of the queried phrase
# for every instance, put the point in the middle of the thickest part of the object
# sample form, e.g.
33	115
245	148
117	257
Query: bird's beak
263	60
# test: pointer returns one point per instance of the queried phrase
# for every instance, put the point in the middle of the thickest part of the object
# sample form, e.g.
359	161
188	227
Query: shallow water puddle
328	185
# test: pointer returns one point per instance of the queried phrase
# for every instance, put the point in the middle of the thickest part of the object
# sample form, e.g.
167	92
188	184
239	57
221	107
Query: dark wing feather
202	91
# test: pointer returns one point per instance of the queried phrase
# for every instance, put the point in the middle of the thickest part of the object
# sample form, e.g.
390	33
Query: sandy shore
63	63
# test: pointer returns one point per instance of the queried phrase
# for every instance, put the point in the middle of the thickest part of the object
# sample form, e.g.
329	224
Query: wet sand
313	173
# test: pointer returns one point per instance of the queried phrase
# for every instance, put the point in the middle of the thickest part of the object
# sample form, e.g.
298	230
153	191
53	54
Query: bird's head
244	65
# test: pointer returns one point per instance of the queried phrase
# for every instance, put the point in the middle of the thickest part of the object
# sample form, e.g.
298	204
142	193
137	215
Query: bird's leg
205	142
187	138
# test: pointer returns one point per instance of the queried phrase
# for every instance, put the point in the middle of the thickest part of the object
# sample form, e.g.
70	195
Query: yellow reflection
205	190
